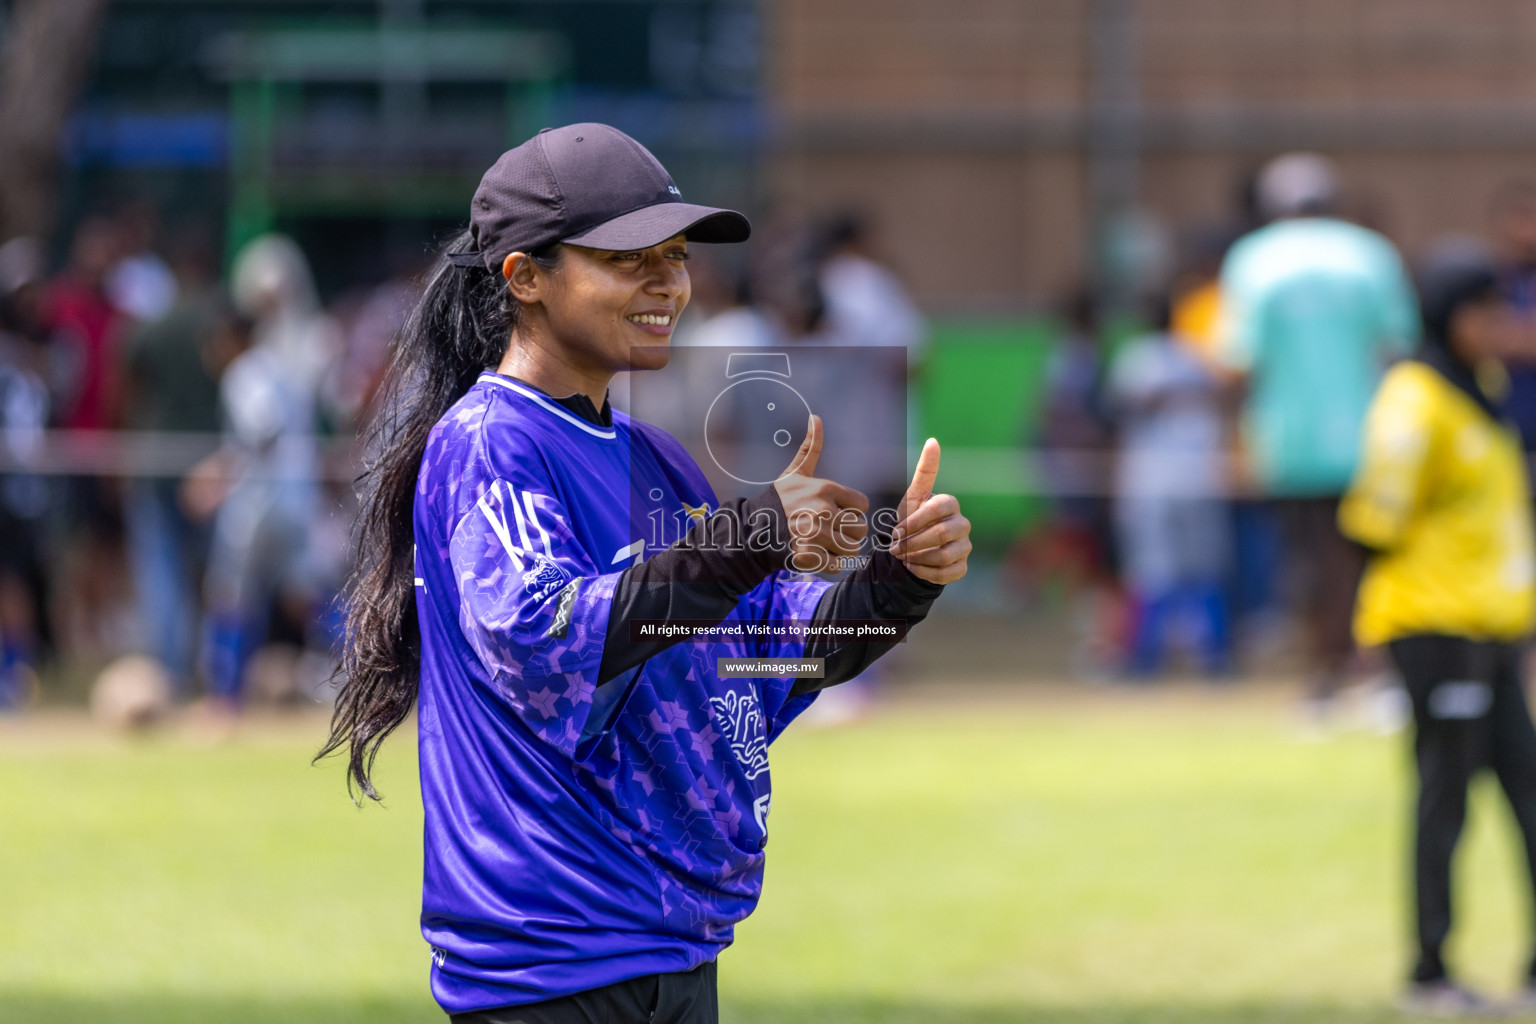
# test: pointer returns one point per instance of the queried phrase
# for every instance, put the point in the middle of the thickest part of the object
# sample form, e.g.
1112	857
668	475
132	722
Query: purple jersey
557	863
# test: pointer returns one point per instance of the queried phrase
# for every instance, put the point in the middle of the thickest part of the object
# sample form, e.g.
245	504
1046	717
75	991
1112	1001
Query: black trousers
687	997
1470	713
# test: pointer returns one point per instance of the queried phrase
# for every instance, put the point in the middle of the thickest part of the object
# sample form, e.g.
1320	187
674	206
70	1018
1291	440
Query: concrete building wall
962	126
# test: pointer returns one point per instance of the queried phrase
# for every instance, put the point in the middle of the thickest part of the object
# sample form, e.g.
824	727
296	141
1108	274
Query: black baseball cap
590	185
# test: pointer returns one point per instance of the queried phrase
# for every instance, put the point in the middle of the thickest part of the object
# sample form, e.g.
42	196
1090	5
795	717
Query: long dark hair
461	326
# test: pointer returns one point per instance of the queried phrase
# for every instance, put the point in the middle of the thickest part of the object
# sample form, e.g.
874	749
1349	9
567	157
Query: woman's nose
668	276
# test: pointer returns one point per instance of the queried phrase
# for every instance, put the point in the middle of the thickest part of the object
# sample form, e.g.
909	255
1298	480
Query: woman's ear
522	278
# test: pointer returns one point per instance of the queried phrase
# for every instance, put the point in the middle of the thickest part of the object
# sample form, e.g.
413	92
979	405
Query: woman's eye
679	255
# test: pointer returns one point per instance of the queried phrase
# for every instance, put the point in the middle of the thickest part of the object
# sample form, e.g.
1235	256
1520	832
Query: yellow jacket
1441	493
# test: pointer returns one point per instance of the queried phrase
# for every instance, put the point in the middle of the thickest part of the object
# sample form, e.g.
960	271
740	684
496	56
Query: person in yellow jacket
1440	501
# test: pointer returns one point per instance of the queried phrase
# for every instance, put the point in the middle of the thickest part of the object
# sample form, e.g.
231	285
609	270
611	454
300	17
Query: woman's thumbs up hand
932	538
826	519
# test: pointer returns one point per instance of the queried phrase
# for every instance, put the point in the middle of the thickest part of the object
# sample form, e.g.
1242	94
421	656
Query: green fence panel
980	393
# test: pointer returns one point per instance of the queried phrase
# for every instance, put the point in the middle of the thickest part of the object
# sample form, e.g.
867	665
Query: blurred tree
47	49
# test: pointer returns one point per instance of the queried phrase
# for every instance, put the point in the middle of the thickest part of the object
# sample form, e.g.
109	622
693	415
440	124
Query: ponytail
460	327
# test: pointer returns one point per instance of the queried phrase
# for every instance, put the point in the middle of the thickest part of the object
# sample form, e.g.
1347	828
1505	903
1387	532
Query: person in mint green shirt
1315	309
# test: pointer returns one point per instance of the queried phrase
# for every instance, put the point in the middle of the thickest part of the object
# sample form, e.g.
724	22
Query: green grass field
1055	855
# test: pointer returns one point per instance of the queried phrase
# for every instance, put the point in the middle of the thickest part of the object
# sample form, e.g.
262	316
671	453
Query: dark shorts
687	997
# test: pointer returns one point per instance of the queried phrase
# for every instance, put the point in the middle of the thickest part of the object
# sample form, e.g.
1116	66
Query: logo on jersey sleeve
742	718
543	578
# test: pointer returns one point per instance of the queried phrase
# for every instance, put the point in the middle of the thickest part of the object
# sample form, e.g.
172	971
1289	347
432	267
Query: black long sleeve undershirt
704	575
883	589
700	578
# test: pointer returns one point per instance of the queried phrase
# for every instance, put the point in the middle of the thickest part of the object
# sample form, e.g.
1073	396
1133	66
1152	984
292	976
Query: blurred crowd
228	534
1194	439
1198	447
204	564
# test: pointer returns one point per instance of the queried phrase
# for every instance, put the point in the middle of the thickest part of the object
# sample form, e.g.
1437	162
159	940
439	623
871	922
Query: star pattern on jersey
544	702
549	680
668	717
729	819
693	815
703	742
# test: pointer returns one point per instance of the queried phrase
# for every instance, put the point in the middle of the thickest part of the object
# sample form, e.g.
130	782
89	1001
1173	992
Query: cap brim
652	225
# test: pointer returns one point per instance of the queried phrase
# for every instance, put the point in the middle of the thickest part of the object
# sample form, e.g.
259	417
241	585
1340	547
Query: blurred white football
132	692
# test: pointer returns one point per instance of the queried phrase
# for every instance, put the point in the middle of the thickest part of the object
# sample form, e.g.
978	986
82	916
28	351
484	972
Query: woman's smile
656	322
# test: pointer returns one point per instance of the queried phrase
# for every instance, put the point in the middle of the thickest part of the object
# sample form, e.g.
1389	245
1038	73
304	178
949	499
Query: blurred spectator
1170	512
1196	319
721	311
868	308
1315	309
1075	430
1197	323
141	285
86	331
261	555
1514	229
784	284
272	284
24	498
865	302
172	385
878	339
359	368
87	327
1443	504
1074	549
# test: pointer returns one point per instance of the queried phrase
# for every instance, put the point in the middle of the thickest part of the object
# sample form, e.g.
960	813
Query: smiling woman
596	801
597	313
